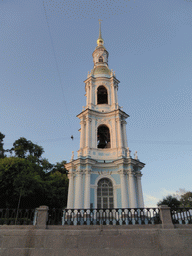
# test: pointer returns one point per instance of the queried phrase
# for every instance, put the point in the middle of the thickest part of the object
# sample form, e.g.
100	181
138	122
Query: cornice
127	161
115	79
104	165
101	114
108	79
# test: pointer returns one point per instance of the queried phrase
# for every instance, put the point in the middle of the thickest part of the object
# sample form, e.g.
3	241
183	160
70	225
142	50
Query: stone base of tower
100	184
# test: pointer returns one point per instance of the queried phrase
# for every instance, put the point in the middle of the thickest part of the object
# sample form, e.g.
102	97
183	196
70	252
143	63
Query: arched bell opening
102	96
100	59
105	194
103	137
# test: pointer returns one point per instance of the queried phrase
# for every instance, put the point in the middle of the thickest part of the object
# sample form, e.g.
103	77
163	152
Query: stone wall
103	240
95	240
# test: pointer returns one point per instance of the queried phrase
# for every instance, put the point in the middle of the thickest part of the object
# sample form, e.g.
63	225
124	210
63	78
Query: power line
184	143
57	66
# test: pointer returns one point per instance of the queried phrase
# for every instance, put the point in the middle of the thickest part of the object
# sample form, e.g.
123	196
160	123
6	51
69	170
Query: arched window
103	137
100	59
102	97
105	194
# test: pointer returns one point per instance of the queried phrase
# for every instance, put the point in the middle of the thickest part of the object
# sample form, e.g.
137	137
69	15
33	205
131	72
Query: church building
104	175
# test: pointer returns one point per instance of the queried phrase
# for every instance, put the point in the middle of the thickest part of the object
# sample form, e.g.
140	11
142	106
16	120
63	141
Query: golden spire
100	40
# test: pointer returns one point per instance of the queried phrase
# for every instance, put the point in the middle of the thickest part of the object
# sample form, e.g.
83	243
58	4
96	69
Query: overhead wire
57	67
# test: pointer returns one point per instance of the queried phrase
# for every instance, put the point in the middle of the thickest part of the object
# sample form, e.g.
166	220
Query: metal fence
17	216
181	215
140	216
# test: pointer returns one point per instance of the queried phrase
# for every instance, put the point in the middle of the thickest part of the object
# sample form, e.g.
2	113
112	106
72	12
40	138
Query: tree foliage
19	176
2	151
56	189
169	200
186	199
30	177
24	148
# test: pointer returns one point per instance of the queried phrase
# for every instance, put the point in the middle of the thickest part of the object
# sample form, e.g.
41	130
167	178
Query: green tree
2	151
60	167
56	189
169	200
186	200
30	179
20	178
24	148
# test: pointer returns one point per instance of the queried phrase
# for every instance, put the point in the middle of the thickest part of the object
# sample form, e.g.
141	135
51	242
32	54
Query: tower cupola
100	58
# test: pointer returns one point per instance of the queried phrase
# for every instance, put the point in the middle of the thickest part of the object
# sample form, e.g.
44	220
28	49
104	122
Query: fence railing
43	216
140	216
17	216
181	215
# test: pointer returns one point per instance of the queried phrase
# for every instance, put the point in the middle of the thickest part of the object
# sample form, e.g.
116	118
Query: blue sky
46	52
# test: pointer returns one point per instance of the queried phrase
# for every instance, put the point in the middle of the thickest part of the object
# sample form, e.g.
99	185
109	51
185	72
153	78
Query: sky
46	52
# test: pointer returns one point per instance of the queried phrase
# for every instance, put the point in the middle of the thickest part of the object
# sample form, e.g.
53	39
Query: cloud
150	201
165	192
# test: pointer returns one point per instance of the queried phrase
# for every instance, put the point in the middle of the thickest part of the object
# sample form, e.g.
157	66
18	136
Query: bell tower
104	175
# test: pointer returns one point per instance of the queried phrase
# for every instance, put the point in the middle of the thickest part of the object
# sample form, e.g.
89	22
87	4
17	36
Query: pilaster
70	190
88	120
132	189
119	132
87	190
82	140
124	200
124	134
139	190
78	190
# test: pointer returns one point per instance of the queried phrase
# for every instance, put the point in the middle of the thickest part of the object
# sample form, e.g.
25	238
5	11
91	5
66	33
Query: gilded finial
100	40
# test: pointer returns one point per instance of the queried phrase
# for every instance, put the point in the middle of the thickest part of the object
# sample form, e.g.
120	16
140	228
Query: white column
94	135
114	132
88	95
82	134
132	190
139	191
88	132
87	190
112	94
90	100
115	90
78	190
70	191
124	134
119	132
124	201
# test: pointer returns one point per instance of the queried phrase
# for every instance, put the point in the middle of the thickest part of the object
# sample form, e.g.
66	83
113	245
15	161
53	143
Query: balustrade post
165	215
42	217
